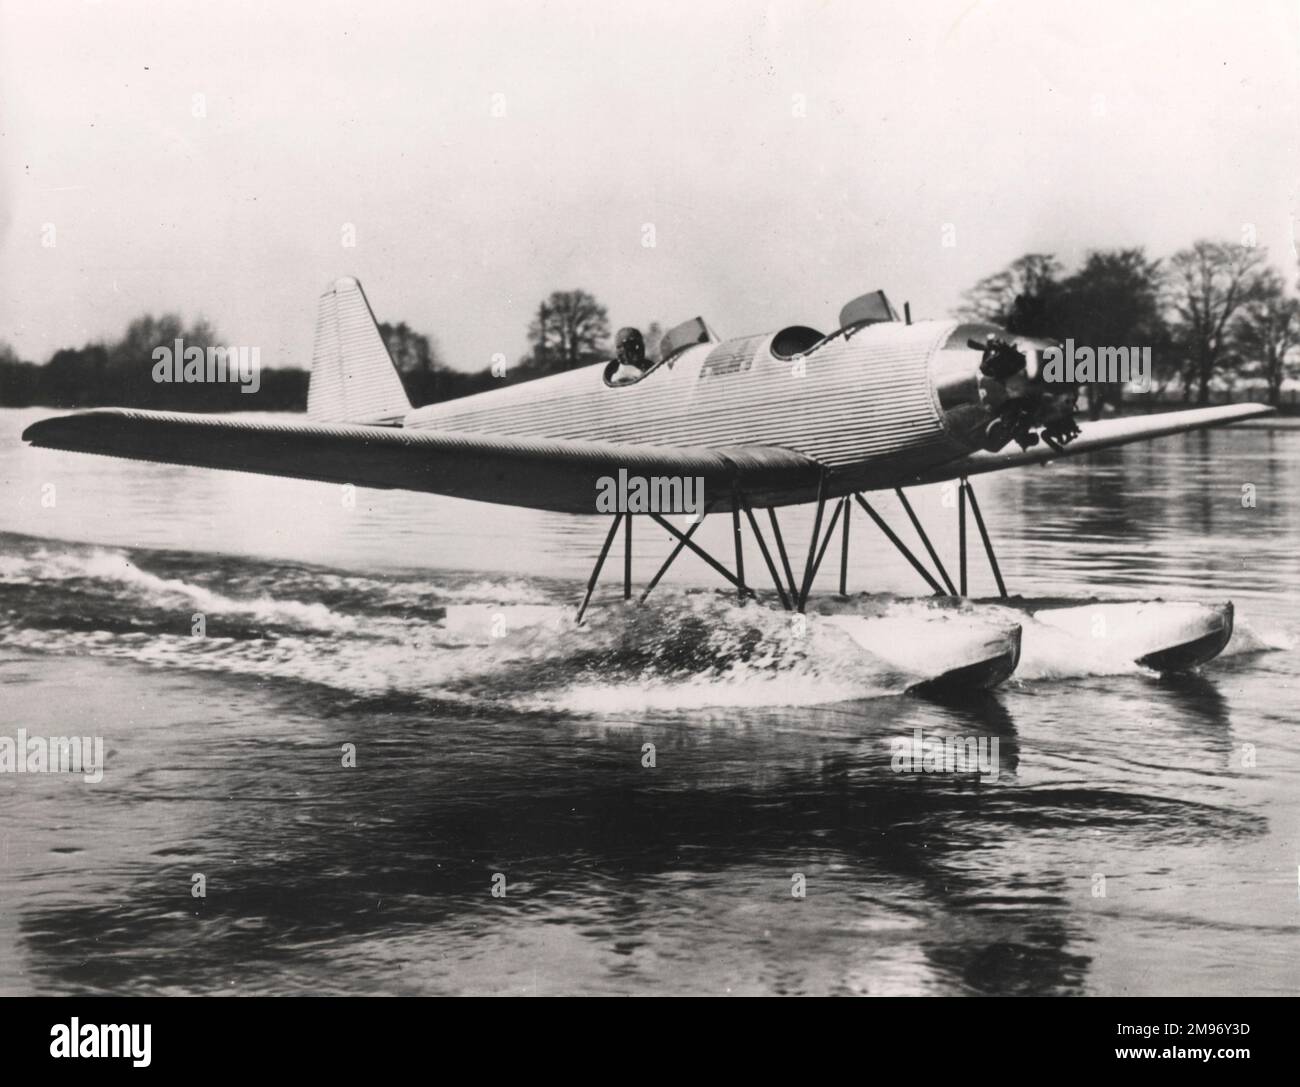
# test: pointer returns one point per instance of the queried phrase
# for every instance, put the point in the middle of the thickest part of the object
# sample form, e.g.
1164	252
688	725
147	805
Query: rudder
353	379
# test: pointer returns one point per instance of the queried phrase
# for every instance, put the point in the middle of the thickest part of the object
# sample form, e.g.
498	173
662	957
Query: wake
505	642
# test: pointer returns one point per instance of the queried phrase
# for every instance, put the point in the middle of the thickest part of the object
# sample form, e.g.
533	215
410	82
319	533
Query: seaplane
759	422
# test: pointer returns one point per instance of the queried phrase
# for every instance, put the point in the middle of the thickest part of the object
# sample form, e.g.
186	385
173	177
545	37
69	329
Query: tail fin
353	379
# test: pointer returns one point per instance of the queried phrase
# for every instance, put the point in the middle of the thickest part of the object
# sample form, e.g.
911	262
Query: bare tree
127	365
1114	300
1267	330
571	328
418	362
1021	298
1208	286
412	352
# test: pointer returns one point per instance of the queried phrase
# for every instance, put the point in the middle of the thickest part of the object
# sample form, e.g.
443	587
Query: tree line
1212	314
122	373
569	329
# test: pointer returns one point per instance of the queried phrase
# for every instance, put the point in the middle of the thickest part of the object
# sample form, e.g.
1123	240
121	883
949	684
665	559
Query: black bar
1099	1033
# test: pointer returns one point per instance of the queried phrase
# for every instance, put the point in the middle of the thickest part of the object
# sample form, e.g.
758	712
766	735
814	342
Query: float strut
984	535
808	571
844	551
902	547
929	547
821	551
627	557
604	551
738	541
688	542
681	545
961	533
785	559
767	555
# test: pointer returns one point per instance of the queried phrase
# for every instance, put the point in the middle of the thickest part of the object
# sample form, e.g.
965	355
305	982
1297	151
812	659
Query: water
494	738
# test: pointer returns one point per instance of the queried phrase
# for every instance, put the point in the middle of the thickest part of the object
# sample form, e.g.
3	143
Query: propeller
1025	407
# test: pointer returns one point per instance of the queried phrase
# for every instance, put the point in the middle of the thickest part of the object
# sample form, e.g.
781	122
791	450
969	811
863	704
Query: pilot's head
630	347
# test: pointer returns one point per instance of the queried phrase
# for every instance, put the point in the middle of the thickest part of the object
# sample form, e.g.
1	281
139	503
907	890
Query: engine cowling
992	391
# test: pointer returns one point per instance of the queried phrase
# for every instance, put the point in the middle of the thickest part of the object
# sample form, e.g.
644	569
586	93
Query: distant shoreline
1270	422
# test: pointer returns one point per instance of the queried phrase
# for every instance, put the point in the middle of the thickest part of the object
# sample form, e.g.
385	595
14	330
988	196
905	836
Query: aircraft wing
1101	434
539	473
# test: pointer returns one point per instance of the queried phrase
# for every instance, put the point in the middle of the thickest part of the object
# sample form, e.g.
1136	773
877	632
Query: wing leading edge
538	473
1102	434
561	475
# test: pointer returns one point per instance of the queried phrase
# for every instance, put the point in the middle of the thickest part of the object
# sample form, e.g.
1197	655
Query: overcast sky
788	155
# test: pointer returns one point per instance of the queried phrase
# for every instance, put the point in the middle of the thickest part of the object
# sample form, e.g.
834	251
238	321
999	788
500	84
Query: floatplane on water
757	422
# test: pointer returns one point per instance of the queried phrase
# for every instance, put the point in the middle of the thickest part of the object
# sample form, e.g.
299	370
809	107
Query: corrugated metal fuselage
864	406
